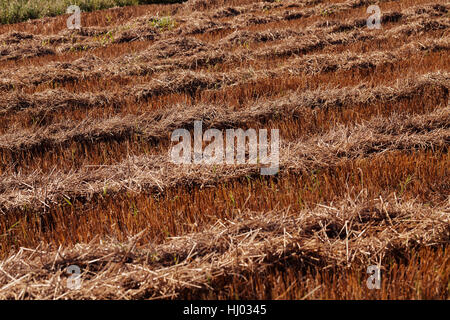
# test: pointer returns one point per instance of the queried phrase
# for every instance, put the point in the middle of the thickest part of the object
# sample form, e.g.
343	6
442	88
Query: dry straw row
156	173
353	232
142	29
157	125
43	103
22	44
184	52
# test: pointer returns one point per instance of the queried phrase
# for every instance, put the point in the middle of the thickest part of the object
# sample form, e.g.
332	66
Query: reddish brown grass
85	176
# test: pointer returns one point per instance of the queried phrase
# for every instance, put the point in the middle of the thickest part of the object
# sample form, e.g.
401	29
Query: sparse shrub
164	23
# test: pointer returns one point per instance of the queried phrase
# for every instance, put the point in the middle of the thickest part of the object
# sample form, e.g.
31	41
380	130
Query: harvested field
362	178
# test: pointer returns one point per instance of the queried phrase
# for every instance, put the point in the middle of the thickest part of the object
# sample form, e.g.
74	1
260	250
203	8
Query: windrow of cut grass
157	172
158	124
331	18
187	53
364	121
421	175
141	27
73	155
113	17
191	82
21	10
117	48
418	274
265	88
145	28
125	32
252	243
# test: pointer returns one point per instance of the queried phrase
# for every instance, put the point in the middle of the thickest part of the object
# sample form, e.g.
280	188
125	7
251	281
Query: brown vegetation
364	118
251	244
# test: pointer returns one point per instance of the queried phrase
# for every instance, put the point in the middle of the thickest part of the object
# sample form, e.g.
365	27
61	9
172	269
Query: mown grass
22	10
420	274
420	174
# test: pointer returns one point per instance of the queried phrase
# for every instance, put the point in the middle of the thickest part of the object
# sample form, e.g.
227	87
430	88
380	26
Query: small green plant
164	23
154	257
232	199
135	209
300	200
10	229
108	19
326	12
105	39
68	201
404	184
45	42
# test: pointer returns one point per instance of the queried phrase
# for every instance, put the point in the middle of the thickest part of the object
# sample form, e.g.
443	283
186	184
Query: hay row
138	29
259	252
202	23
359	231
191	82
199	23
142	29
185	53
157	172
157	125
410	15
29	50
